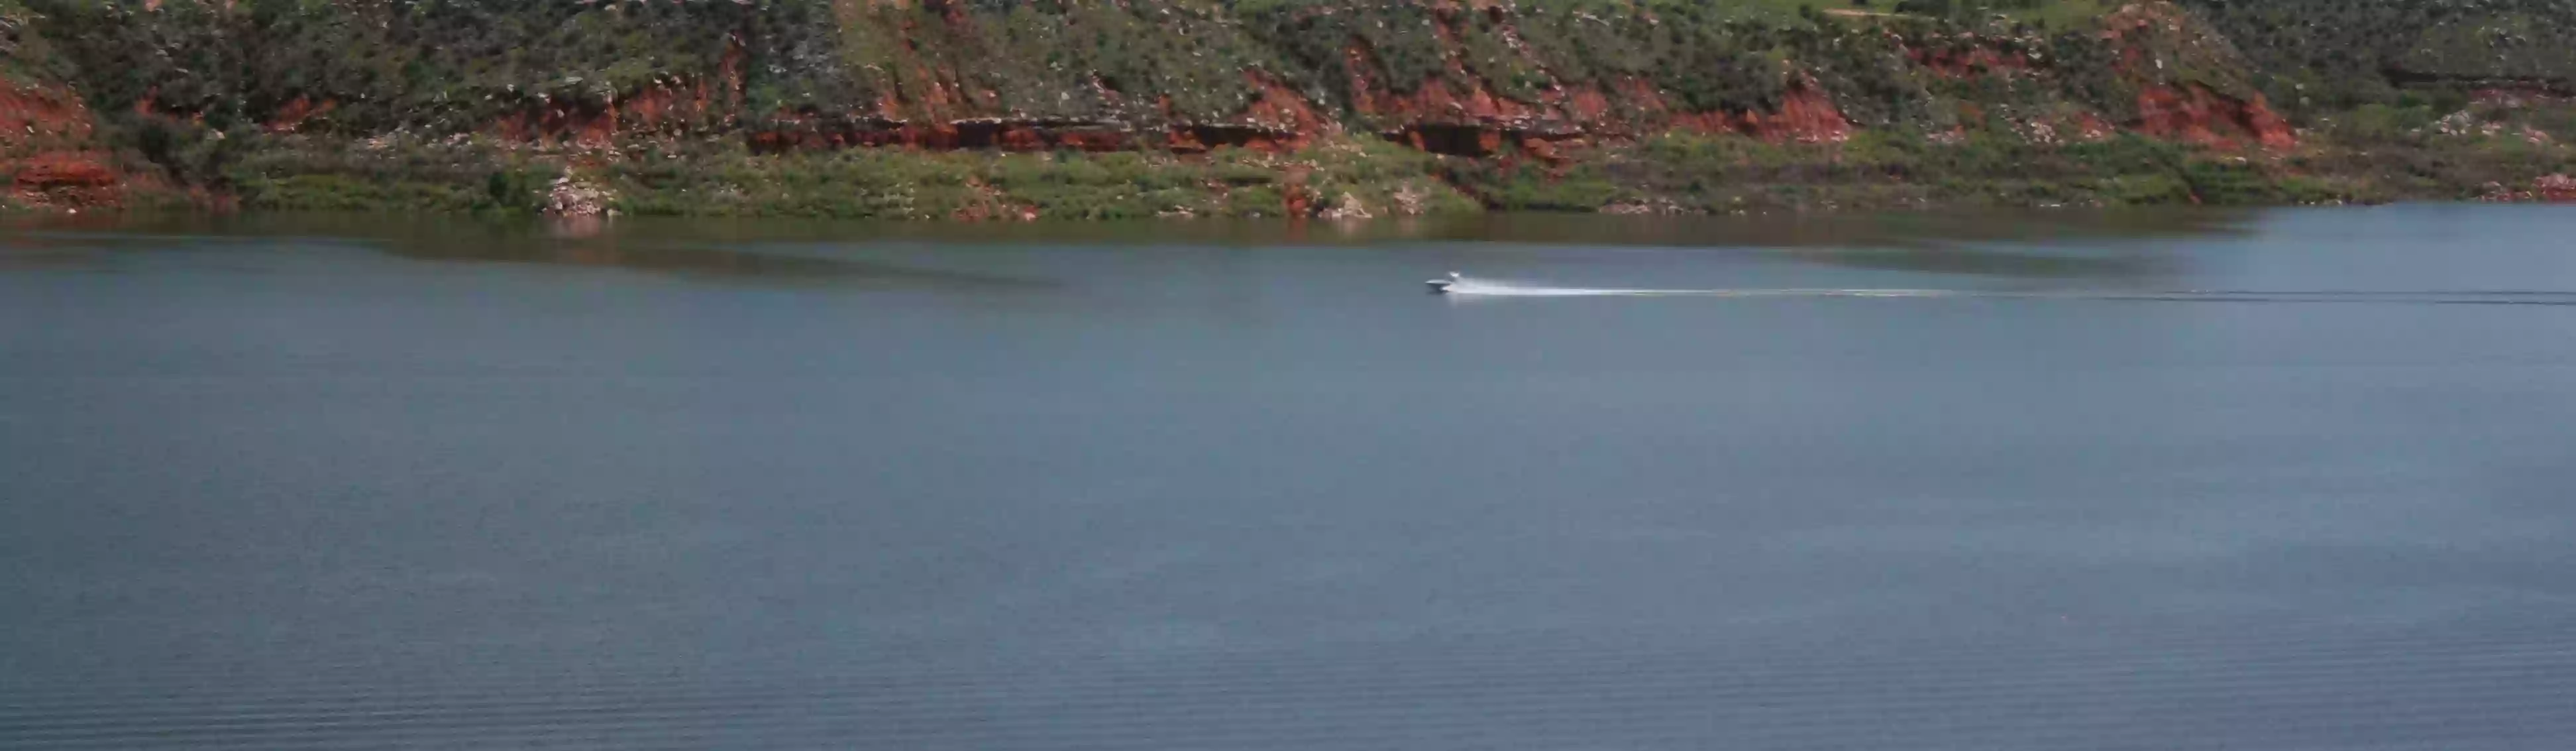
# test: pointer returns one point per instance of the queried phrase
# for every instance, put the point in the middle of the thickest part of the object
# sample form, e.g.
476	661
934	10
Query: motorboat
1441	286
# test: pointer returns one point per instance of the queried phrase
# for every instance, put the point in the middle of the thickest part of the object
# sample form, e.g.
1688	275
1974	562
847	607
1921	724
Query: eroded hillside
981	109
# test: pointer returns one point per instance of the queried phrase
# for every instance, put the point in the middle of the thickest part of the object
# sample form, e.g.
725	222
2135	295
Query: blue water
354	483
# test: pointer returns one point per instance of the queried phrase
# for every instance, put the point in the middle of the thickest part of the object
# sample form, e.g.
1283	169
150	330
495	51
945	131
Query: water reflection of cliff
2112	247
669	248
672	247
697	260
2105	246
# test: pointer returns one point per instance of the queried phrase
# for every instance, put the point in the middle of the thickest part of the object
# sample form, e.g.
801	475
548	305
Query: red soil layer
45	134
1971	62
2555	189
2195	114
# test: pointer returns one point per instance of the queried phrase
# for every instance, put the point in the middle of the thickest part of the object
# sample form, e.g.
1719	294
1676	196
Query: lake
2295	479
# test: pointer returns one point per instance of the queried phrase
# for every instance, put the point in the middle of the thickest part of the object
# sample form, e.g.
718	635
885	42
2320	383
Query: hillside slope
976	109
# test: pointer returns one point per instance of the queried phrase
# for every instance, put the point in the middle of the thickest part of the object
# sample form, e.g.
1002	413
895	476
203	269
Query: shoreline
1341	178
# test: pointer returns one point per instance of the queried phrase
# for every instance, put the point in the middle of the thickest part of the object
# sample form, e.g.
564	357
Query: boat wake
1488	288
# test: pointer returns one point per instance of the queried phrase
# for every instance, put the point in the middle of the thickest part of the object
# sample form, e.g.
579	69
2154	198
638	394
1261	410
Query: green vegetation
314	173
438	65
1881	170
25	56
2324	56
1070	185
722	178
1068	60
2383	155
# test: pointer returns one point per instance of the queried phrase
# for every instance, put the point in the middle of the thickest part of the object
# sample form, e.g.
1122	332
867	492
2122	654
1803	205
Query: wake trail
1494	288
